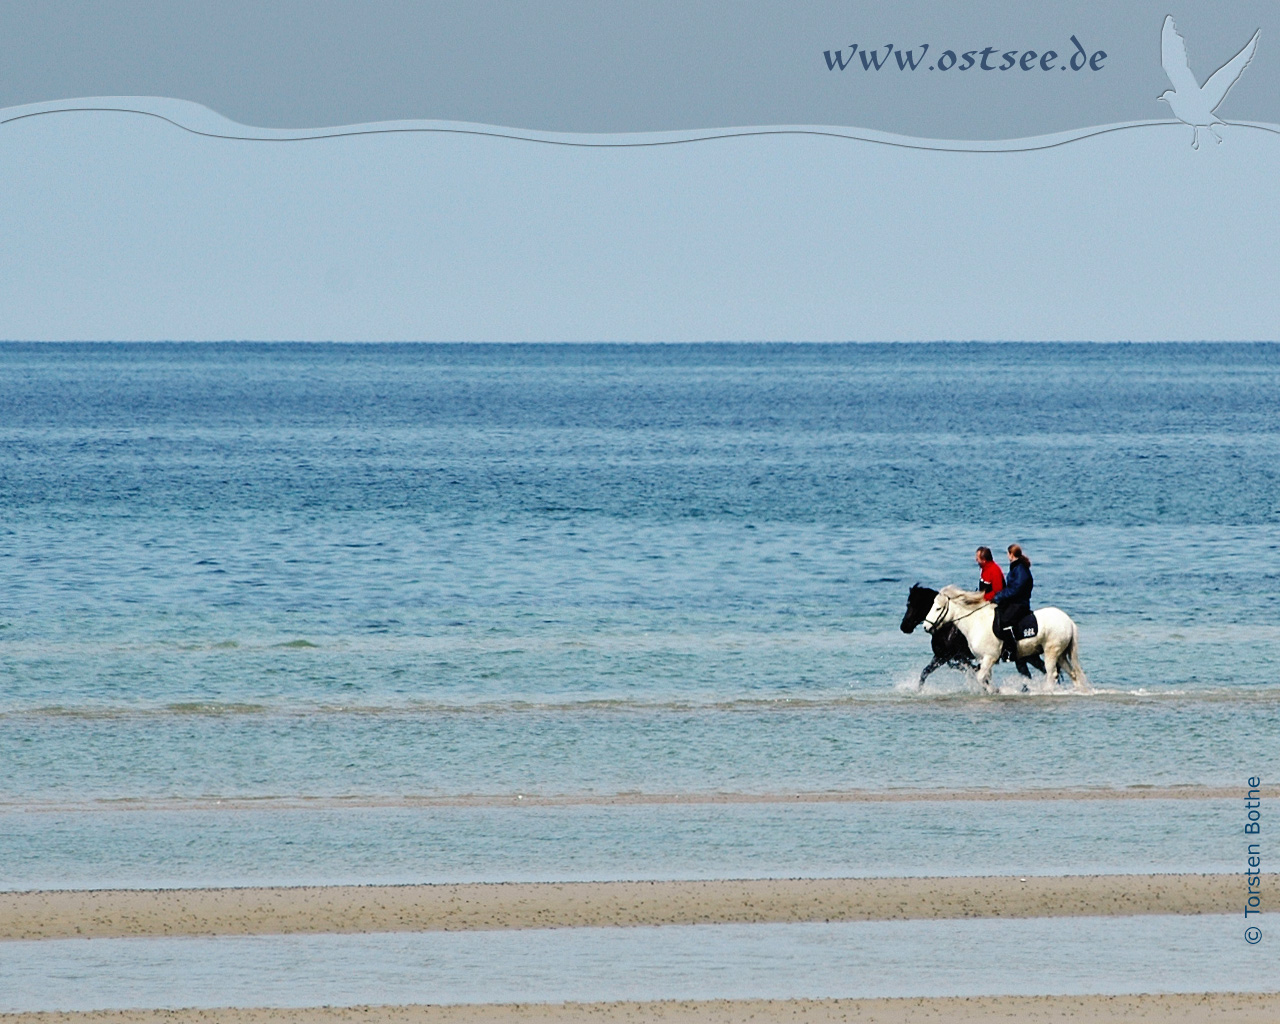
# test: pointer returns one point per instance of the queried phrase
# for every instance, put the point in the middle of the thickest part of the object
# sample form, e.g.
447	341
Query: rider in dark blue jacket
1013	603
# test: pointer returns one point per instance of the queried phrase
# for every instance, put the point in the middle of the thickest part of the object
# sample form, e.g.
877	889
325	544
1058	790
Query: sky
121	226
647	65
124	227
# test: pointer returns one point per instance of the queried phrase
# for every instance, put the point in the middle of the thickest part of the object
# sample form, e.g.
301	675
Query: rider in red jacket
992	581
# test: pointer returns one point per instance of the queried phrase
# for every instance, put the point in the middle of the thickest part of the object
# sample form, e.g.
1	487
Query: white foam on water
945	682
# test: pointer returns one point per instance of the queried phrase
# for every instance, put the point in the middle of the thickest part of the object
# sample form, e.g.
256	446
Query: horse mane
968	598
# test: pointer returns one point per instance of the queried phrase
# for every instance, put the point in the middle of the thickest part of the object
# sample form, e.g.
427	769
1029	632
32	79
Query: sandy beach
1217	1007
345	909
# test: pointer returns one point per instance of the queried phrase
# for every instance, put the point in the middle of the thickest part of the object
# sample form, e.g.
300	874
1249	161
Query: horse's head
939	612
919	602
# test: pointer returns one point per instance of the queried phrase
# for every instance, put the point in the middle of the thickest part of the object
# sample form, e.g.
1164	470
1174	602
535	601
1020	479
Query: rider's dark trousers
1007	617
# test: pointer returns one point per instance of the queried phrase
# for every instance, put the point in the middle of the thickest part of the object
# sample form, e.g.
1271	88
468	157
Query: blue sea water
150	847
863	959
369	574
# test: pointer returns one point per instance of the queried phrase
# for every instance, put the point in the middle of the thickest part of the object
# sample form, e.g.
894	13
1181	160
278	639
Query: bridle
929	627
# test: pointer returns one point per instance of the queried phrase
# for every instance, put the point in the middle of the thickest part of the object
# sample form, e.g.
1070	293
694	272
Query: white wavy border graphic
201	120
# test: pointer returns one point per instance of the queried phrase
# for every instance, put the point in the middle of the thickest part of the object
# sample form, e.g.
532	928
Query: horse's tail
1072	658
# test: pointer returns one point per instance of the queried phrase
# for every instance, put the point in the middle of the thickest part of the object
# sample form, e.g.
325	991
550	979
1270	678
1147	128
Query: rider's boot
1010	652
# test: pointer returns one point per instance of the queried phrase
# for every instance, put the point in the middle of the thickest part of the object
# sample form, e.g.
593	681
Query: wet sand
469	907
1216	1007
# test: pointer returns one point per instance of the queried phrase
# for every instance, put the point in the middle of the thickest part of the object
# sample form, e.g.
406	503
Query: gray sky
576	65
123	227
120	226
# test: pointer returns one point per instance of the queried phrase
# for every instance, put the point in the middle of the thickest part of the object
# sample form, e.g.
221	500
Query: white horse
1057	638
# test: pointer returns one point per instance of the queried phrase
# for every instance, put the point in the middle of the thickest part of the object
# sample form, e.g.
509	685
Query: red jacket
991	574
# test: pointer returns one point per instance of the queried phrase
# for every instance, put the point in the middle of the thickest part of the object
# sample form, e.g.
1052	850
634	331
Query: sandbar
1197	1008
120	913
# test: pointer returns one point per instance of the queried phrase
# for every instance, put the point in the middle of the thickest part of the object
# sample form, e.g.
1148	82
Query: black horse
949	645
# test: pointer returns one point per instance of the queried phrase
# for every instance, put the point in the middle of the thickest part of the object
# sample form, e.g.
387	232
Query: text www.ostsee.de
988	58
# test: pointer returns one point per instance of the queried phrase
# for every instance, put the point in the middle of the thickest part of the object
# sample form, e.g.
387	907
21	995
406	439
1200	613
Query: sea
319	613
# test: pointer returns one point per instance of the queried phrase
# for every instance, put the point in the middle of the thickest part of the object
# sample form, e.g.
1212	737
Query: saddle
1027	627
1024	629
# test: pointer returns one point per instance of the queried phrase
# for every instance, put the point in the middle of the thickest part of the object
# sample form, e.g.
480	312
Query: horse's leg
1051	666
984	671
1020	663
1078	679
941	643
934	664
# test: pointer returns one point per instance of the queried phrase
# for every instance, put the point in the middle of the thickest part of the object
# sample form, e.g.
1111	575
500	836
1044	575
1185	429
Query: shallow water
1044	956
242	571
396	845
1005	743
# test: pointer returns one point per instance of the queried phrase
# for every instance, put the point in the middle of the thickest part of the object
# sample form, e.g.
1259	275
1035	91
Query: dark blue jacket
1017	586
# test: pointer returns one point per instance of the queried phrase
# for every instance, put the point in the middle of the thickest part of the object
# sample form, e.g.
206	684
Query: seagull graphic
1192	103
